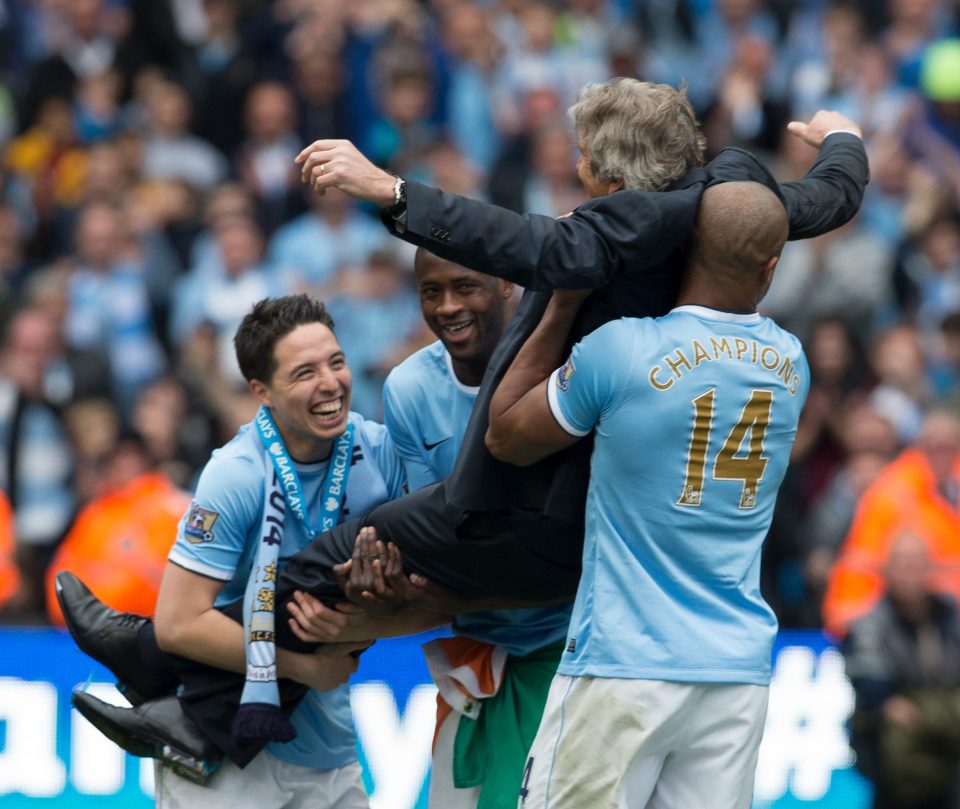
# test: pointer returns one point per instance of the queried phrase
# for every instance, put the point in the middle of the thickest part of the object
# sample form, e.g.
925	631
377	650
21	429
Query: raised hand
823	121
339	164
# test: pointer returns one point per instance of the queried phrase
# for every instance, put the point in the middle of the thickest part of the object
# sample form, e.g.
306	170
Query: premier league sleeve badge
200	521
564	374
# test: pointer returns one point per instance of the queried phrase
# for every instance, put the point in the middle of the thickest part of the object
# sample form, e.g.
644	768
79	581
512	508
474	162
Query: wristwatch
399	207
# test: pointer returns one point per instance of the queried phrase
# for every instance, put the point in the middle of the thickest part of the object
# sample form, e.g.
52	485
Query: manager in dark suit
636	140
492	529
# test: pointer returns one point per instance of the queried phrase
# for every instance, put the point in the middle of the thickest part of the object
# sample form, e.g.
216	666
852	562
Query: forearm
365	627
407	622
534	251
293	665
535	361
831	192
211	638
217	640
187	624
537	252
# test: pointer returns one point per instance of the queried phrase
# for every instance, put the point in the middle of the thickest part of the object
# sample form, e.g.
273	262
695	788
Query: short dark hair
270	320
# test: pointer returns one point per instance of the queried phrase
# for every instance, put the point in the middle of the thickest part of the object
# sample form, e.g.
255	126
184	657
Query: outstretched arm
832	190
629	230
581	251
626	231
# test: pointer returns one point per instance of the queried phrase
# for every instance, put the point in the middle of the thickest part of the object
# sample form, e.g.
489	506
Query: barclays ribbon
259	717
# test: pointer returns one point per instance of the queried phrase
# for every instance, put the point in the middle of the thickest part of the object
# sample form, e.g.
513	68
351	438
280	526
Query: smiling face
465	309
309	392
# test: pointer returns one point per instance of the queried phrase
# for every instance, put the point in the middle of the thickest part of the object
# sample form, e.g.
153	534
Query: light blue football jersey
694	416
229	505
426	409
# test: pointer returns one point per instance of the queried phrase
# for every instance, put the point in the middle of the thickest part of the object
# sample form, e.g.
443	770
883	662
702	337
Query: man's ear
260	392
769	266
766	275
506	289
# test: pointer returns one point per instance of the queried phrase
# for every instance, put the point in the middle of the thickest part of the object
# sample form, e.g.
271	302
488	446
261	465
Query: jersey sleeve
212	535
581	389
402	431
387	458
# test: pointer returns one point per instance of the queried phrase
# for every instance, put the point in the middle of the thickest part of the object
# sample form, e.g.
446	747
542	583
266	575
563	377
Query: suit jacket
629	247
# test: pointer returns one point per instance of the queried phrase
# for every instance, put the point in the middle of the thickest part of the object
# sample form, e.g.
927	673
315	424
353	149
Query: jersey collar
707	313
469	389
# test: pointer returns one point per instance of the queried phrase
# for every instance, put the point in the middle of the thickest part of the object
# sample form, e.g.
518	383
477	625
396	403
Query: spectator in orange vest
919	492
119	542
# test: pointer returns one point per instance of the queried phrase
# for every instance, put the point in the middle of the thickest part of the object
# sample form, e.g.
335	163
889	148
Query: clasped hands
375	587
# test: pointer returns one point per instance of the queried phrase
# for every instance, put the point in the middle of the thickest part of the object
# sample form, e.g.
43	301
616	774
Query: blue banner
50	756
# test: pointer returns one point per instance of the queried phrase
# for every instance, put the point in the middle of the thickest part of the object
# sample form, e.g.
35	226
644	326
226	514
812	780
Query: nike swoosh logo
427	446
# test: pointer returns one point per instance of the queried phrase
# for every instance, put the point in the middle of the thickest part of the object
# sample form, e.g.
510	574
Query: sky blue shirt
110	312
694	416
426	409
221	543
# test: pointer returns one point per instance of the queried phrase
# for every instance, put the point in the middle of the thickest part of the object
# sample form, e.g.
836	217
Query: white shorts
265	783
645	744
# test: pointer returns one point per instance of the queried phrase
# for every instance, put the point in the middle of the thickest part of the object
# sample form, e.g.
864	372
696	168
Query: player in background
428	399
694	415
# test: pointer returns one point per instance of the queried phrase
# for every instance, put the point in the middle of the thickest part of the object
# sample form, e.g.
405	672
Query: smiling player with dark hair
428	401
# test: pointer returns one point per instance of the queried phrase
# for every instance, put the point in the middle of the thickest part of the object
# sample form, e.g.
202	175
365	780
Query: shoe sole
132	743
133	696
183	764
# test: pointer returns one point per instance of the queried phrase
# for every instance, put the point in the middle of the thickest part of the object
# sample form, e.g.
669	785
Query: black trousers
515	553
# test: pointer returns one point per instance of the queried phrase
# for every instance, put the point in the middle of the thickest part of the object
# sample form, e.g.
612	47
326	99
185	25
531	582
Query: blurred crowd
148	196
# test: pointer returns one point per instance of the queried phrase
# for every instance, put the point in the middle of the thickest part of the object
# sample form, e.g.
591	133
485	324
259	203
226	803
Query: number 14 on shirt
728	463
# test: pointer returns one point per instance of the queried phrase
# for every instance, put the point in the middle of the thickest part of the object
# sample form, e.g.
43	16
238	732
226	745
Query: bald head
739	226
741	229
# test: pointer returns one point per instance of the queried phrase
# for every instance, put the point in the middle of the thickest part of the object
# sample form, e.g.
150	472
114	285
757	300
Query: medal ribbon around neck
334	485
259	717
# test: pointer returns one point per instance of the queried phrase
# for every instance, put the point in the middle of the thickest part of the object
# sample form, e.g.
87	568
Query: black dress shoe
110	637
157	729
